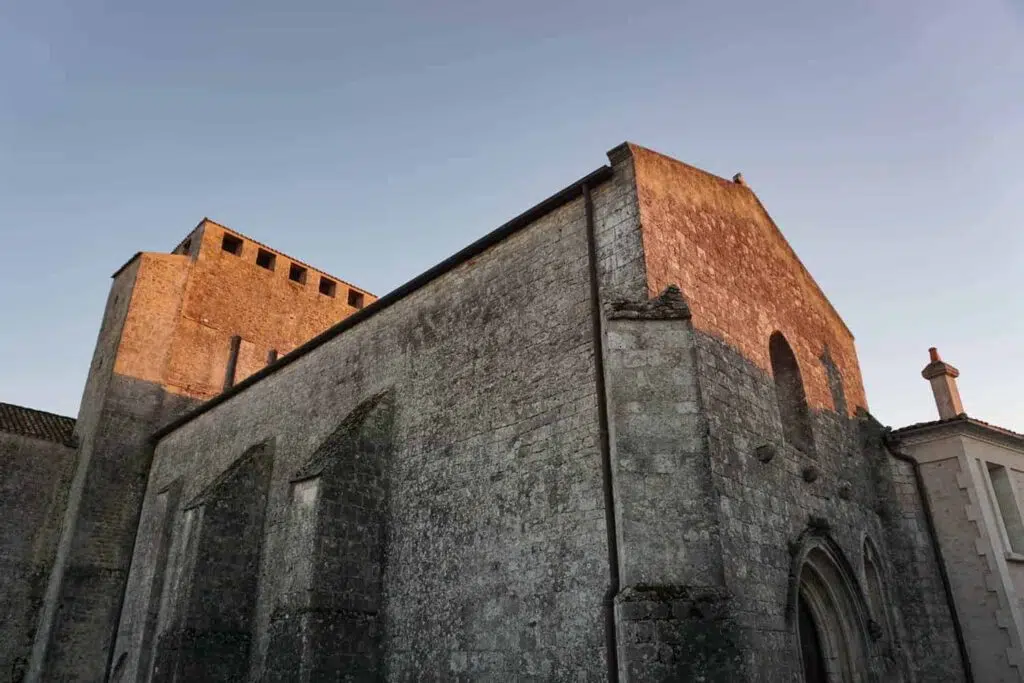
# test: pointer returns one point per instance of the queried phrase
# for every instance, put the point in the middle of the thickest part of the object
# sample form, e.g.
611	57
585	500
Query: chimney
943	376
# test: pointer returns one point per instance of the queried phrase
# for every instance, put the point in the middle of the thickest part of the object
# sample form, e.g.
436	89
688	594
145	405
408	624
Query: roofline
962	420
126	264
207	219
513	226
767	215
65	442
35	410
807	272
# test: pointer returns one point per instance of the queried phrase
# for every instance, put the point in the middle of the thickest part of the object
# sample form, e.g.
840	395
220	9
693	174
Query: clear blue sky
885	137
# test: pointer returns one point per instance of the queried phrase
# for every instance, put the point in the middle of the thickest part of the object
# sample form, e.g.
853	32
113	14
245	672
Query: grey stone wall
34	480
112	465
79	613
714	509
922	608
494	551
673	610
620	252
101	373
143	592
328	618
842	490
435	508
210	636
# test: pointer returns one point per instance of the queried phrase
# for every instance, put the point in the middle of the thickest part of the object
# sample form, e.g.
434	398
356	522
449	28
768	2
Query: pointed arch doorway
831	618
811	653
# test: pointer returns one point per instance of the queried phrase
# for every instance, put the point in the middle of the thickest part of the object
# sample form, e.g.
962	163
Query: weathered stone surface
207	629
678	633
34	478
742	282
766	452
164	344
431	493
494	549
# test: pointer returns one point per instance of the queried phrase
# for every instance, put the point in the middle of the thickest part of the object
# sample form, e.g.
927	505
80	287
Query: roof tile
35	423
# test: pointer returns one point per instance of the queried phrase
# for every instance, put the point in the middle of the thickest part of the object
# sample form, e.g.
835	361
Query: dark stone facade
34	476
330	623
522	466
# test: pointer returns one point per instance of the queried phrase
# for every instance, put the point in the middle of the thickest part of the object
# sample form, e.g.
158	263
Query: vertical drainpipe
611	640
893	446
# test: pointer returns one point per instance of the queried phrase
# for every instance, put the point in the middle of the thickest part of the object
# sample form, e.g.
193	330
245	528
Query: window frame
996	501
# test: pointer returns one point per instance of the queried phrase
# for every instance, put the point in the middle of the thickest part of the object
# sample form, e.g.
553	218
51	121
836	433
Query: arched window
789	392
830	621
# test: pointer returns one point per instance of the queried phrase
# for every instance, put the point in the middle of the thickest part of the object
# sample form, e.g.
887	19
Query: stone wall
164	344
101	374
328	618
742	280
230	294
117	415
968	525
34	478
495	545
921	605
208	636
705	471
437	495
672	608
715	510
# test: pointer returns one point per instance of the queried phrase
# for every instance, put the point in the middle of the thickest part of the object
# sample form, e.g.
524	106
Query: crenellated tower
178	329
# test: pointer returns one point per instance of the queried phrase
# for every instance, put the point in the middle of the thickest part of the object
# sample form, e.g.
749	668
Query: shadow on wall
326	621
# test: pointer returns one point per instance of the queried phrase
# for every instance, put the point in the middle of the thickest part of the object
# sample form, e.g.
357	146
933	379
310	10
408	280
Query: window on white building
1005	504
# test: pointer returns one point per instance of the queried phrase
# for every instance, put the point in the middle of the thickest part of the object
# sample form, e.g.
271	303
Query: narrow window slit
297	274
327	286
231	244
265	259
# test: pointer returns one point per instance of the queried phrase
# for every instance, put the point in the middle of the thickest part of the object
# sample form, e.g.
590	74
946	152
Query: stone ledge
669	305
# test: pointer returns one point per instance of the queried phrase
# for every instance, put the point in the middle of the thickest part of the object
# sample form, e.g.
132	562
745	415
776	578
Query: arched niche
878	602
790	394
883	626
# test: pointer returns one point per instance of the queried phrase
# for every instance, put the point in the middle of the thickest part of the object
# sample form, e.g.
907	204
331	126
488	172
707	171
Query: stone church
622	437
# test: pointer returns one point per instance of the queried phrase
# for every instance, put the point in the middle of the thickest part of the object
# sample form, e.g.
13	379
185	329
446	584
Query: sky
375	139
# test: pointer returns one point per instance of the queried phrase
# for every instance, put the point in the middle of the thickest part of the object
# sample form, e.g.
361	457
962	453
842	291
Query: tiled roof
964	419
35	423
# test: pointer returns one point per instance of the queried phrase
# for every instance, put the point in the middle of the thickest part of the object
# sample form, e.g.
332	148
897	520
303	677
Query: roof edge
56	428
126	264
963	420
511	227
277	251
631	146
